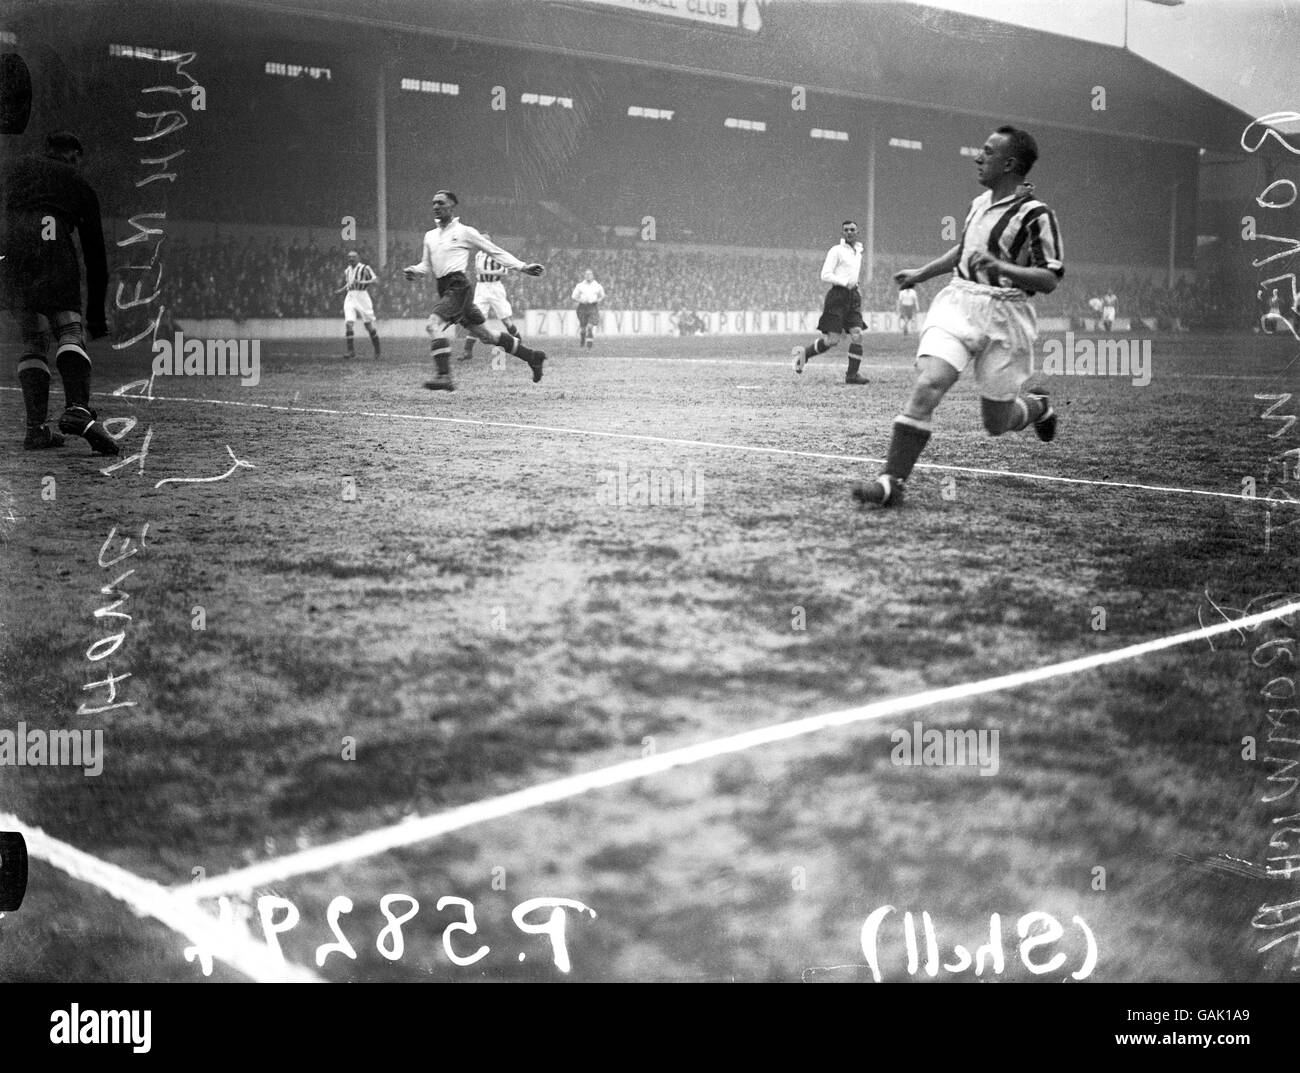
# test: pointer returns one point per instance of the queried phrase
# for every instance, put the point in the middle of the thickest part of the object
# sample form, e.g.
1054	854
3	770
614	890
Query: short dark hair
847	222
448	195
1021	146
62	141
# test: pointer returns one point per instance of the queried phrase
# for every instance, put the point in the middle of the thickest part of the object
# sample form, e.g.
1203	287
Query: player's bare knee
831	338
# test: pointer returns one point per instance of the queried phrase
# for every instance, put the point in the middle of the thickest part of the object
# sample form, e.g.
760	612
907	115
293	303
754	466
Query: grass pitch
412	600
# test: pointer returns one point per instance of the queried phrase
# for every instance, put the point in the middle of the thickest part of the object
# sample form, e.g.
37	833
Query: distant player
907	303
446	256
357	280
1275	319
588	294
45	201
490	296
1109	308
842	307
1010	248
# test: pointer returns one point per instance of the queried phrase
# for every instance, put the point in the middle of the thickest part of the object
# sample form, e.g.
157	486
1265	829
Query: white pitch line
237	948
645	438
409	832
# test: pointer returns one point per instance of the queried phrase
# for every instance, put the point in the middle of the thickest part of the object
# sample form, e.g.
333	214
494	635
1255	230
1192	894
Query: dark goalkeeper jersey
45	201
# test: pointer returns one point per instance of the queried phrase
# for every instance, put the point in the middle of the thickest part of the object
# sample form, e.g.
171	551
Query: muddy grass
457	607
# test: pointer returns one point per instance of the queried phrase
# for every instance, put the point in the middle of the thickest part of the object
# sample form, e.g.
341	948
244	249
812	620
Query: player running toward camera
357	278
490	296
842	309
588	294
446	256
1010	248
45	201
907	303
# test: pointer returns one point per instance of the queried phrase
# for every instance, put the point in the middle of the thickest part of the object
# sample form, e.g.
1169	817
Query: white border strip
420	829
235	946
640	437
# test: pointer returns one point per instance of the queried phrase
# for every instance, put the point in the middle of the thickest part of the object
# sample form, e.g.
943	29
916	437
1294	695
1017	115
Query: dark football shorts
456	300
841	311
37	274
588	315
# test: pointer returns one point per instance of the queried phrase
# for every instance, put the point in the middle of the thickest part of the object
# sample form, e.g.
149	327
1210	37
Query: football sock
817	346
73	364
441	351
855	357
1028	410
905	445
512	344
348	332
469	346
512	330
34	378
374	338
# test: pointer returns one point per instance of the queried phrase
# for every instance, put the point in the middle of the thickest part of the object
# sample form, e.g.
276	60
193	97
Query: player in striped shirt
357	278
1010	249
490	295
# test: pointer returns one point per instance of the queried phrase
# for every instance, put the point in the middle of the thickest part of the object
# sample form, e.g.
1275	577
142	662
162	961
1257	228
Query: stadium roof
880	51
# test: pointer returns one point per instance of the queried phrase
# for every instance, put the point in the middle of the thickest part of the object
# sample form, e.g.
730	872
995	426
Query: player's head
588	276
849	229
1008	151
353	257
444	205
64	146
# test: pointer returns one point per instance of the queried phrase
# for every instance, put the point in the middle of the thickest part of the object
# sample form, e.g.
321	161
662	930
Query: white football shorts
994	327
358	304
490	297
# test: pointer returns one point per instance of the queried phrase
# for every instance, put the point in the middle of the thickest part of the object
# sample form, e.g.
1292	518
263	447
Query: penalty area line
678	442
409	832
235	946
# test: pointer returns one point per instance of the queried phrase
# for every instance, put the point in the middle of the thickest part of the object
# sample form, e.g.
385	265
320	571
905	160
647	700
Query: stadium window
140	52
425	85
830	135
297	70
904	143
756	125
545	100
650	113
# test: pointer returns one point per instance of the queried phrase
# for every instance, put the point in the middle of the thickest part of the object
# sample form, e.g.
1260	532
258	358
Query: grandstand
570	132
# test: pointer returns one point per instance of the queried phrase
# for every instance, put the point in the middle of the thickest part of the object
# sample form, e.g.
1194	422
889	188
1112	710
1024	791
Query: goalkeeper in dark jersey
45	200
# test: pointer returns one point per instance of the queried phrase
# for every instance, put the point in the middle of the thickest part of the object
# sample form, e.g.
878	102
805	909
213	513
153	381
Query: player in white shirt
446	257
588	294
1109	307
907	304
490	296
842	309
1275	319
357	278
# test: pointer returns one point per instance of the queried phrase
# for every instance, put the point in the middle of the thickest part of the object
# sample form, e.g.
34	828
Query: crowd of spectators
260	277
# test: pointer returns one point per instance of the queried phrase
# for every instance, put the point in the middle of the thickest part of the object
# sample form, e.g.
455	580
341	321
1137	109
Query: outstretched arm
910	277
